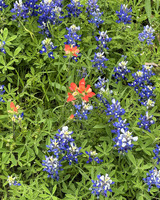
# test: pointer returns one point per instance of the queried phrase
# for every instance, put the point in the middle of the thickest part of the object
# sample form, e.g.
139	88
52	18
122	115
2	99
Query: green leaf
16	52
11	38
58	86
131	157
14	161
54	189
5	34
46	189
148	9
100	126
2	60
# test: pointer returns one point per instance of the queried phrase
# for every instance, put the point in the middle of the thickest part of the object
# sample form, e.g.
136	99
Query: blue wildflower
121	124
114	110
2	43
123	14
74	8
82	73
96	18
99	60
124	140
102	185
146	121
11	180
32	6
156	152
93	157
62	146
101	82
82	111
147	35
103	39
146	92
153	178
148	103
72	153
121	71
92	6
20	9
1	92
2	5
50	12
48	47
94	12
141	77
72	35
52	166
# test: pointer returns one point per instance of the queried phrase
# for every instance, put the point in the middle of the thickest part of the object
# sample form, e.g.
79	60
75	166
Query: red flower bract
12	106
85	93
73	51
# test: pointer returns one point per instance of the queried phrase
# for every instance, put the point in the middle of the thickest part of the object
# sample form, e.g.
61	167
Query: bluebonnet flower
72	153
156	152
123	14
96	18
52	166
146	92
148	103
2	5
63	148
20	9
2	43
82	111
99	60
92	6
102	185
121	71
121	124
141	77
114	110
48	47
124	141
147	35
72	35
20	117
32	6
82	73
146	121
94	12
101	82
103	39
102	94
102	99
17	118
1	92
55	146
50	12
153	178
11	180
74	8
64	136
93	157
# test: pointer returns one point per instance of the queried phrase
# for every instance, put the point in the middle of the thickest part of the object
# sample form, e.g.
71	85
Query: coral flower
73	51
85	93
15	108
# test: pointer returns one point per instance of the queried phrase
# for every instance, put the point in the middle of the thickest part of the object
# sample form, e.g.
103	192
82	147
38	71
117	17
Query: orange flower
71	117
73	51
85	93
15	108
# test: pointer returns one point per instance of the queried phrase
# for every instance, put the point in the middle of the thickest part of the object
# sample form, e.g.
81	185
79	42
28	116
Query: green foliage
39	85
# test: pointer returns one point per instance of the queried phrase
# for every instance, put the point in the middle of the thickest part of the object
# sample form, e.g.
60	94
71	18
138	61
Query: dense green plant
39	85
